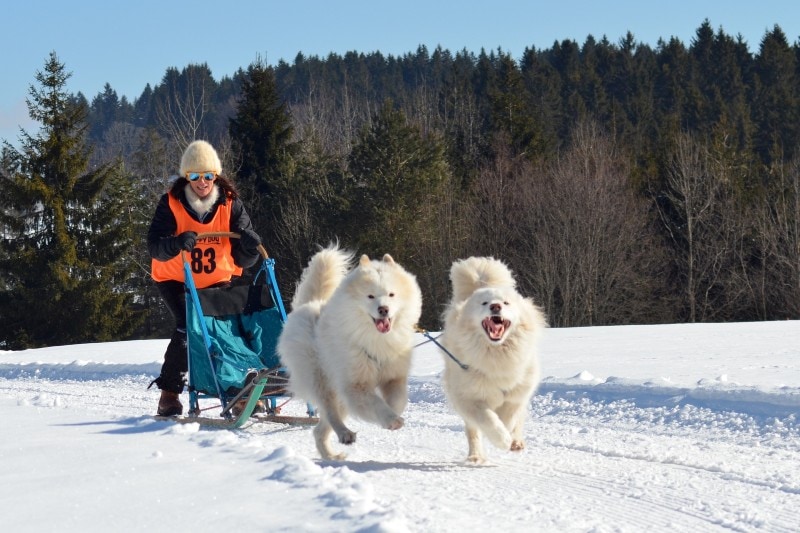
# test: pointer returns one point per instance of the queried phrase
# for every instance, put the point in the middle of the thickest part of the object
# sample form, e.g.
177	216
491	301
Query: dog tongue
383	325
493	329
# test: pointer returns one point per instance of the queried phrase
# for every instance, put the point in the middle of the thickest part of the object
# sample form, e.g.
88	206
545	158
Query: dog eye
506	303
485	303
371	297
391	295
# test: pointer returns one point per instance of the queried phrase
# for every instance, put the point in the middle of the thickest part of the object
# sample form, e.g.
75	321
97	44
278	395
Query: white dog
491	369
348	341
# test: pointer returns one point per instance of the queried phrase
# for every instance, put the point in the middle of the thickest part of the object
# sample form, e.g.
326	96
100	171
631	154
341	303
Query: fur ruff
201	206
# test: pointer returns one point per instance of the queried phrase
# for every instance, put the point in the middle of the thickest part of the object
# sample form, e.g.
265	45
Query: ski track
588	466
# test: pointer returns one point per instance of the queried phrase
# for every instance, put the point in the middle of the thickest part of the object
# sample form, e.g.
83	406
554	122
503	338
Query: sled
231	337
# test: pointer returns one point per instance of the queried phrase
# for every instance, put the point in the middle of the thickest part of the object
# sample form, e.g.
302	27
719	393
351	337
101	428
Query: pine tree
396	172
105	110
775	101
261	138
65	230
261	130
510	112
399	199
261	135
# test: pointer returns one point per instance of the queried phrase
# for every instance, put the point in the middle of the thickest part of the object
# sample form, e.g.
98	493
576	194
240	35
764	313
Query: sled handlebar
232	235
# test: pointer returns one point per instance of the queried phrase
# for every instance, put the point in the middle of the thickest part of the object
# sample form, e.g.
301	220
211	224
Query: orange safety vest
210	260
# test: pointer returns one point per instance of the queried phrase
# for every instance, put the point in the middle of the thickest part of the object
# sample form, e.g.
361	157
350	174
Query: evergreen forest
623	183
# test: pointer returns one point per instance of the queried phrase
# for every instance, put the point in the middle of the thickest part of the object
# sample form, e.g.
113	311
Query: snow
634	428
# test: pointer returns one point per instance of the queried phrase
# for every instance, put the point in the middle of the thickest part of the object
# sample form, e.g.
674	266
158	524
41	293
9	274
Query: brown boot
169	404
239	406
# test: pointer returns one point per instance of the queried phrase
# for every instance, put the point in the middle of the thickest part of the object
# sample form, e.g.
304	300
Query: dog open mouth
383	324
495	327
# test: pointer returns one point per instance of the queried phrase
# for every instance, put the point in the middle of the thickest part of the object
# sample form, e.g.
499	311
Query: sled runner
231	334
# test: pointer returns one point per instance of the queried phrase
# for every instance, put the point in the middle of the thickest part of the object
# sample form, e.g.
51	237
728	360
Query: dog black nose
383	310
496	308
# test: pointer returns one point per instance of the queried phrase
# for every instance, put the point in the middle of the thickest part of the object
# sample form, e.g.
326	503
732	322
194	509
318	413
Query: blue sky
131	44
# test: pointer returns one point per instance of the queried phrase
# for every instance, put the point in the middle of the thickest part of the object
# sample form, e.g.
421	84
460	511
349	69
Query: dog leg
322	433
370	407
512	415
334	413
475	444
490	424
395	392
346	436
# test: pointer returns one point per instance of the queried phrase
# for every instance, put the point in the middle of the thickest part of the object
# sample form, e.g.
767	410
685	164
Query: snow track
588	466
616	456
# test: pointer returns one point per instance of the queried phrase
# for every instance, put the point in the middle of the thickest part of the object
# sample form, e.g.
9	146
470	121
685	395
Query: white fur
201	206
336	347
492	395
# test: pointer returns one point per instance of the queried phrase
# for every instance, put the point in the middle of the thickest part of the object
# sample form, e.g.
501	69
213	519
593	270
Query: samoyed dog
491	368
348	340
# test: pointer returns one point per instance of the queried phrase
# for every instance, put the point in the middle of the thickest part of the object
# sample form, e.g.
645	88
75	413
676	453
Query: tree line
622	183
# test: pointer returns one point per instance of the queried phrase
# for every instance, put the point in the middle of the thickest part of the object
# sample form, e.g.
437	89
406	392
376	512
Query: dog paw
331	456
517	445
347	437
501	439
397	423
476	460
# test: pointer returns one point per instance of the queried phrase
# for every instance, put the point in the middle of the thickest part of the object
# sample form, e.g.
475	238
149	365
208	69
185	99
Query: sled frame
265	384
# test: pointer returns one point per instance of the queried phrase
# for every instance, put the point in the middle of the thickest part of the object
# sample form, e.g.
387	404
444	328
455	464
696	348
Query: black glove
249	240
186	240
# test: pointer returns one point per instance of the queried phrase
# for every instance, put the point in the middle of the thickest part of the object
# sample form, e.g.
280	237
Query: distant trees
65	230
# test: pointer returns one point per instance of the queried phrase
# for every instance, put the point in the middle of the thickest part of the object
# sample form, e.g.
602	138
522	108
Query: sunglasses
194	176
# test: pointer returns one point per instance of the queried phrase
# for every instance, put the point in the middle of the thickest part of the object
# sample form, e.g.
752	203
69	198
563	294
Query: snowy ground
638	428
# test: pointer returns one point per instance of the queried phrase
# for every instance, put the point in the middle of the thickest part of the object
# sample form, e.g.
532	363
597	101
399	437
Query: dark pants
175	359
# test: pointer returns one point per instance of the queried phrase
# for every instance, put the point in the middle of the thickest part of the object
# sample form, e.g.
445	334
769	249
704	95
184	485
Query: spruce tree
261	131
261	138
510	111
65	229
775	100
396	174
399	200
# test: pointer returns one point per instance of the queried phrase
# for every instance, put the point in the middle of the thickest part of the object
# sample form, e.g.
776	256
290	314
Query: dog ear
388	259
364	261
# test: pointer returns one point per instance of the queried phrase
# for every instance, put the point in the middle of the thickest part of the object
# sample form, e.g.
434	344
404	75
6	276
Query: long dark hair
228	188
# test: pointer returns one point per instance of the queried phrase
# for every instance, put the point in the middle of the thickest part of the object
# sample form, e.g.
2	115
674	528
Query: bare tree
789	214
586	246
496	202
701	219
331	117
119	141
770	267
180	114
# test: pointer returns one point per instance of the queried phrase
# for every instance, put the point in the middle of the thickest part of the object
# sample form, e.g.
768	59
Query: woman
200	201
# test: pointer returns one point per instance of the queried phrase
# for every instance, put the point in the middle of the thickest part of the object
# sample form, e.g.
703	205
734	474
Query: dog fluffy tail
324	273
469	275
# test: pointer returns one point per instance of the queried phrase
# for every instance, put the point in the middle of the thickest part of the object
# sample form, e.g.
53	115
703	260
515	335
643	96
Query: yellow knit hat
200	156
